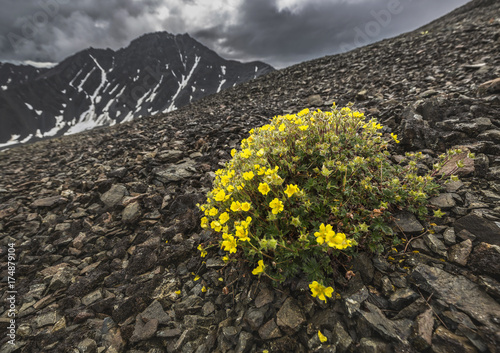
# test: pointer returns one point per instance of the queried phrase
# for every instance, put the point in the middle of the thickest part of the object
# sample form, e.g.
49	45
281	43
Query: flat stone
450	168
49	201
131	213
342	339
444	341
449	236
460	252
155	311
269	330
402	297
443	201
371	345
354	301
254	317
264	297
144	330
453	186
92	297
486	259
114	196
407	223
422	336
49	318
485	230
397	331
87	346
290	317
436	245
175	172
458	291
245	342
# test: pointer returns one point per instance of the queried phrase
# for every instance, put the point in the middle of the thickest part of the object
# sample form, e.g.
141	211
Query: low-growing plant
308	187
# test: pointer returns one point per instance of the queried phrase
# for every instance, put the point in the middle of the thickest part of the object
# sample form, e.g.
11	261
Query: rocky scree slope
90	215
157	72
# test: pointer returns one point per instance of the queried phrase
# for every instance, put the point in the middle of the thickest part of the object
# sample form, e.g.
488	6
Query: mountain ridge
156	72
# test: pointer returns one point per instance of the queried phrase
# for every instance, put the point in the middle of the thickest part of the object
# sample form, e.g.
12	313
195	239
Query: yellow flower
260	268
264	188
303	127
260	152
246	153
216	226
204	222
291	189
203	289
395	137
178	292
320	291
324	232
223	218
245	206
282	127
303	112
337	241
248	175
230	188
235	206
276	205
233	152
242	233
322	337
220	196
196	278
203	251
229	244
213	211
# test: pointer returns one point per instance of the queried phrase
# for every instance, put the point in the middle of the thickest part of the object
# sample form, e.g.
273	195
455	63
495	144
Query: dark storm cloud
267	30
50	30
317	28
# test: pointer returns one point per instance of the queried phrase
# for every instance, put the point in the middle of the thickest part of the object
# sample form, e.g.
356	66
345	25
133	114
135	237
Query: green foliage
309	186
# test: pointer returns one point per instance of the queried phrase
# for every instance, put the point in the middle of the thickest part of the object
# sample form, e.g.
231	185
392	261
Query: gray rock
87	346
371	345
342	340
407	223
485	231
444	341
459	292
485	259
402	297
92	297
176	172
131	213
353	302
245	342
397	331
155	311
460	252
264	297
254	317
290	317
443	201
315	100
230	333
143	329
49	201
114	196
422	335
45	319
449	236
435	244
269	330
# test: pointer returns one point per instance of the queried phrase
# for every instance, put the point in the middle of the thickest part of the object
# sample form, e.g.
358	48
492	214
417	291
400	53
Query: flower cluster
309	187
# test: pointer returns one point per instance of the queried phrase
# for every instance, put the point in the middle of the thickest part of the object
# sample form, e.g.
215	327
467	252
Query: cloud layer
279	32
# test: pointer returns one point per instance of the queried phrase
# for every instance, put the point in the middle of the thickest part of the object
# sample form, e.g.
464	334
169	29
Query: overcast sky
279	32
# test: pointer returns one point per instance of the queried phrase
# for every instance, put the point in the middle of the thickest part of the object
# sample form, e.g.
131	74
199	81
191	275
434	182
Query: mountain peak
156	73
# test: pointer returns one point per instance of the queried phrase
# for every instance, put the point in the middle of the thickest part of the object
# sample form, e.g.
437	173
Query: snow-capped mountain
156	73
